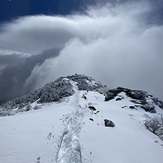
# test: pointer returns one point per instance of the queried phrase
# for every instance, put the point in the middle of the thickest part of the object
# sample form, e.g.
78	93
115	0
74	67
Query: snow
69	149
128	142
28	136
64	133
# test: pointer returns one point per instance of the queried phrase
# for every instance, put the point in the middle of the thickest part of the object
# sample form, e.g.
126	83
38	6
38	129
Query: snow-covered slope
74	131
128	142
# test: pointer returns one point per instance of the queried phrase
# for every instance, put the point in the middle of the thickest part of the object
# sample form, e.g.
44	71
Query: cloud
115	44
36	33
15	69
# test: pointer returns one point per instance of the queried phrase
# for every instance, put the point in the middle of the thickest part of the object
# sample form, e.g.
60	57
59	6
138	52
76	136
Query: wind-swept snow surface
73	132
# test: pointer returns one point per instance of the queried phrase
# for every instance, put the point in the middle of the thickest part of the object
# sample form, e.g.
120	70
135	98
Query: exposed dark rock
137	94
92	108
84	96
90	119
118	99
112	93
108	123
132	107
109	96
148	108
139	97
121	89
115	91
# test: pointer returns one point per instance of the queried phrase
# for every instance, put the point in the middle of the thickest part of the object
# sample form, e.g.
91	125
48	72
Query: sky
119	43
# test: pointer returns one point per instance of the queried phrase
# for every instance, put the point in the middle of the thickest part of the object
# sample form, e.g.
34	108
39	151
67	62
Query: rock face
108	123
138	97
112	93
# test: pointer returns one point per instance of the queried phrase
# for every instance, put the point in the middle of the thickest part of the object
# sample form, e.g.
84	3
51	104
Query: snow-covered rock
140	98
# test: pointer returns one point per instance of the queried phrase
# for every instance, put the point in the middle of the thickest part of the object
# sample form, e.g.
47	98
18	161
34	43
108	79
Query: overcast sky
119	45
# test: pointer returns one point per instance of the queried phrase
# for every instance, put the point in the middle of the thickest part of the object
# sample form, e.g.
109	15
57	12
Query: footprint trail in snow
69	149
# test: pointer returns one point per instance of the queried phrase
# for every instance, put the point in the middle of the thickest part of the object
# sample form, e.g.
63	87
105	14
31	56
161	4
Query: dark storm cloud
17	70
8	59
116	44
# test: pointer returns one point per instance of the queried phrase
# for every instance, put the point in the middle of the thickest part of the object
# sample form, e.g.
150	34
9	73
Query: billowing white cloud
33	34
113	44
36	33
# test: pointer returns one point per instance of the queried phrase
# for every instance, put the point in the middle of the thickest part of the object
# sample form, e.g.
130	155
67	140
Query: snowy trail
69	149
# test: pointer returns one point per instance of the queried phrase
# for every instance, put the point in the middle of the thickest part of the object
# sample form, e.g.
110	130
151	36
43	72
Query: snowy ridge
52	92
71	131
74	130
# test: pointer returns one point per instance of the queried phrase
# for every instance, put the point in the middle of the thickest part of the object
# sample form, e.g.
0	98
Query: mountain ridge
55	91
85	127
62	87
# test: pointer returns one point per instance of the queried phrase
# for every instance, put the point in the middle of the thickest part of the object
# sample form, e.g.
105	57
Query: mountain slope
74	130
128	141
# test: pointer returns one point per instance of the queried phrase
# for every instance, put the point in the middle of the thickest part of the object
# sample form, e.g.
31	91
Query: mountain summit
55	91
64	87
76	119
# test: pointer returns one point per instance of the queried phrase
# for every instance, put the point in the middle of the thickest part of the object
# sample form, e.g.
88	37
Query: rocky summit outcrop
56	91
140	98
63	87
84	82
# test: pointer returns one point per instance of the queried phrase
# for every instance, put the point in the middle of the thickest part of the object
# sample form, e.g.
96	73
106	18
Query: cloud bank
114	44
